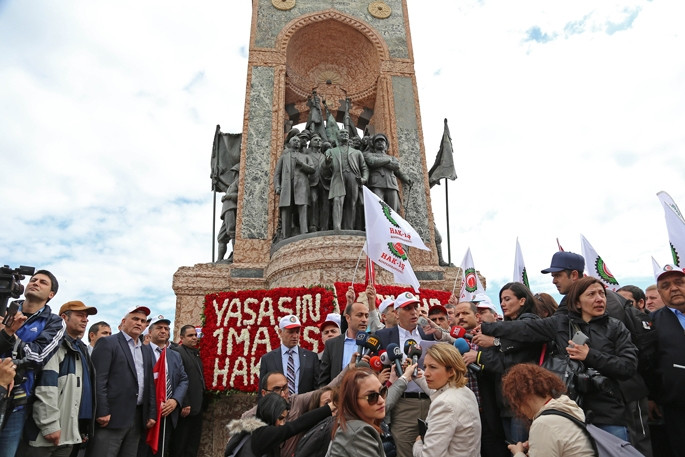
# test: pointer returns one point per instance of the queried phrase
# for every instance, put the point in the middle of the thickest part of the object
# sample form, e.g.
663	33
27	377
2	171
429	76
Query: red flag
159	373
370	273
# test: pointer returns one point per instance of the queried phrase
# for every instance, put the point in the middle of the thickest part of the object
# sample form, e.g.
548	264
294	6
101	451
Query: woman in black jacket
608	352
264	434
496	356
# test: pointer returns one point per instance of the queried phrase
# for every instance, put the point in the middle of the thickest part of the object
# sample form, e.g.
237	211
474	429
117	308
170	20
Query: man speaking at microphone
414	403
338	350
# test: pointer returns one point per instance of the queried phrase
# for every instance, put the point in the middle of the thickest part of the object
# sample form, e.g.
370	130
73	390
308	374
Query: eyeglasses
283	416
278	389
372	398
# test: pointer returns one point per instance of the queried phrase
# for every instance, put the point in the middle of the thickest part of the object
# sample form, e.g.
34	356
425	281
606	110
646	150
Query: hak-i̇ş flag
160	373
470	283
676	227
386	235
520	274
596	267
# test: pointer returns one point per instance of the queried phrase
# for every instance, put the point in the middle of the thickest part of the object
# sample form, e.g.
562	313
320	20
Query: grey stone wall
270	21
257	156
410	155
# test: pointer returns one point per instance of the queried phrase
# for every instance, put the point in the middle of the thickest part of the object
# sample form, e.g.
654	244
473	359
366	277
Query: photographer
608	352
30	337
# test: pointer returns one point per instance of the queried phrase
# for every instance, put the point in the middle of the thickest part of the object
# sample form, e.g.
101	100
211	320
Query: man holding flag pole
171	385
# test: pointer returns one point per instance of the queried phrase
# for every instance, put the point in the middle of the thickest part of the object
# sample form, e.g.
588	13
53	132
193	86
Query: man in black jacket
186	439
669	322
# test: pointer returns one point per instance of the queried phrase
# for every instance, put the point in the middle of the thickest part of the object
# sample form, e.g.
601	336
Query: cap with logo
564	260
158	319
76	305
289	322
405	299
670	268
139	309
331	318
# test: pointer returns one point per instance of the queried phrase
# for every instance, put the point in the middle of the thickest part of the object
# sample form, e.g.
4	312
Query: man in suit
124	387
159	342
186	439
414	403
300	366
338	350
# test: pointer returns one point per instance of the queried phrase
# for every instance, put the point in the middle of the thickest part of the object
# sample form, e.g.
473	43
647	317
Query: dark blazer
309	367
331	360
196	380
116	383
392	335
179	382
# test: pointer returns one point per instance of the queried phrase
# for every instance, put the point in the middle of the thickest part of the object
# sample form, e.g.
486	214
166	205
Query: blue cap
563	260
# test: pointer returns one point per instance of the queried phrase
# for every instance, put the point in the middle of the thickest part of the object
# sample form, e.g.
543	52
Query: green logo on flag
387	212
471	284
604	273
524	277
397	250
674	253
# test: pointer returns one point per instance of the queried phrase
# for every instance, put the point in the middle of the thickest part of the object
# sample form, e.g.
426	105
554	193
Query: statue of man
319	209
315	118
348	172
384	171
291	182
228	210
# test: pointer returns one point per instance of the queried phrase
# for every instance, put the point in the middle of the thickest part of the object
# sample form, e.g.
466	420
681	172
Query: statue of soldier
315	118
384	171
319	209
228	210
291	182
348	172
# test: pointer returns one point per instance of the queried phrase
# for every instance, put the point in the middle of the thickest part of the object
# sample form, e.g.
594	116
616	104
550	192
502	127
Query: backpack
603	443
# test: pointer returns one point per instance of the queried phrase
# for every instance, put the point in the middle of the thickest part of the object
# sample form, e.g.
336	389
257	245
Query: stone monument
355	56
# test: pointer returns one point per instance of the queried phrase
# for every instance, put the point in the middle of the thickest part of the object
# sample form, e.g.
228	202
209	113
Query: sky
566	118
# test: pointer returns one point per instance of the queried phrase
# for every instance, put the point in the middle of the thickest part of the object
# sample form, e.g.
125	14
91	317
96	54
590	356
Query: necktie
291	372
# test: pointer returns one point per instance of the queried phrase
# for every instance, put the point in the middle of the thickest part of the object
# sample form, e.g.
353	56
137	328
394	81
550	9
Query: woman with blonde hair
453	420
530	390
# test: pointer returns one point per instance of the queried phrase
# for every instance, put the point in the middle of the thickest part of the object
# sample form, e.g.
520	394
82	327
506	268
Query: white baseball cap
289	322
385	304
331	318
668	268
404	299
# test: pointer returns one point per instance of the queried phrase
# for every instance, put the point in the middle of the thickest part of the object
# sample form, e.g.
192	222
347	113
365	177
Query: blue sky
566	118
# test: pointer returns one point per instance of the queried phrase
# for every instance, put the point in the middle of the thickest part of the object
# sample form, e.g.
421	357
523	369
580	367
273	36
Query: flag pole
163	435
213	226
354	278
447	210
455	282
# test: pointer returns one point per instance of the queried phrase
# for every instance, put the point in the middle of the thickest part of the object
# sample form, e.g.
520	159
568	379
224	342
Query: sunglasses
372	398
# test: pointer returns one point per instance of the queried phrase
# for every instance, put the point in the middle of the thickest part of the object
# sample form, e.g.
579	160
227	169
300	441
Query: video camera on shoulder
11	287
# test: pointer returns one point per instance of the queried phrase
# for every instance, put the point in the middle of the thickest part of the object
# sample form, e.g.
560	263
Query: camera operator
608	353
30	337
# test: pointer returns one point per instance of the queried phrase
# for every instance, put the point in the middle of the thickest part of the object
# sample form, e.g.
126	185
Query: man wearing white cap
669	322
300	366
124	387
414	403
329	328
486	310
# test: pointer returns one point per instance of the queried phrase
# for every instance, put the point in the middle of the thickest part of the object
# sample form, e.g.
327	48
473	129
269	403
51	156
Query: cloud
535	34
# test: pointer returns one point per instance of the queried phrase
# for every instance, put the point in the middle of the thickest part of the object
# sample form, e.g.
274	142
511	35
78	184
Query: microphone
413	350
395	355
372	344
361	343
385	358
423	322
463	347
460	332
376	363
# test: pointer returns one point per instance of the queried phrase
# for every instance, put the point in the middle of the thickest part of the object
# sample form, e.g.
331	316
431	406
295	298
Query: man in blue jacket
31	337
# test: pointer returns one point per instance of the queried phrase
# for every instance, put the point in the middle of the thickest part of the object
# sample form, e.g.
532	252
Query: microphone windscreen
457	332
385	359
462	346
394	352
414	351
361	338
373	343
408	344
376	363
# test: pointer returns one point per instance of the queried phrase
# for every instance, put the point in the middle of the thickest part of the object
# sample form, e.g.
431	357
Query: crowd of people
60	397
393	379
460	380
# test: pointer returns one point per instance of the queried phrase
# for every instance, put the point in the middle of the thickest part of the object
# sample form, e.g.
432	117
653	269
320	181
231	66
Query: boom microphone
395	355
463	347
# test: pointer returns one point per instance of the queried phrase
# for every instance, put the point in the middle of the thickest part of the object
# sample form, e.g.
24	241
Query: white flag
470	283
384	225
595	266
520	274
392	257
656	268
676	227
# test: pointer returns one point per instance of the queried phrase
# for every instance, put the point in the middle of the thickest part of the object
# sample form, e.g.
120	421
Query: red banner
240	327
